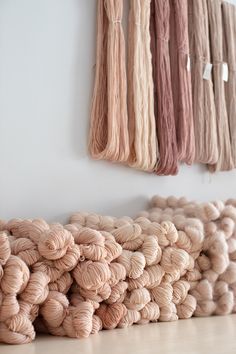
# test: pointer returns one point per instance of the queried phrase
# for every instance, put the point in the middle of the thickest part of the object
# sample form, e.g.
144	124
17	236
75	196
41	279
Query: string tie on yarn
165	40
114	21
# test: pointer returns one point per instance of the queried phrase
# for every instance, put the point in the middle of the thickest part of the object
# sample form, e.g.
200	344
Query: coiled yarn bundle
175	260
213	280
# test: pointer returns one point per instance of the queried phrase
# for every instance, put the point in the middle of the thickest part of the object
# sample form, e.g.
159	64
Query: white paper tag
225	72
207	71
188	63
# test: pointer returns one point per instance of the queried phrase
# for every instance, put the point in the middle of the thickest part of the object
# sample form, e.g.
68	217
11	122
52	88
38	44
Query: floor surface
197	335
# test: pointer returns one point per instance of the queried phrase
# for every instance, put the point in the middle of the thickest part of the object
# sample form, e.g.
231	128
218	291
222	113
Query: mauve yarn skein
181	80
165	120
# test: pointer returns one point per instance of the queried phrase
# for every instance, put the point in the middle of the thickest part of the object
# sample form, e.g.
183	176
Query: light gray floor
213	335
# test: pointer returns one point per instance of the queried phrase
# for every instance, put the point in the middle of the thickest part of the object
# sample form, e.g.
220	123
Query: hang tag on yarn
207	71
188	63
225	72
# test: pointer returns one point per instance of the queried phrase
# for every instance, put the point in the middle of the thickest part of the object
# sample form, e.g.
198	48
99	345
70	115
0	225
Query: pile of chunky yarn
213	279
176	260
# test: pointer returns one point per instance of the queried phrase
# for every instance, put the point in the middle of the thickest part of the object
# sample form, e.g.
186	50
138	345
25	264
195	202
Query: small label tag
188	63
207	71
225	72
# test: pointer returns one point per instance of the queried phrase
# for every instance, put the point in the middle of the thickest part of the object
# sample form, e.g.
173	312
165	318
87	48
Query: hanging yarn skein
99	124
204	115
181	80
109	119
224	162
165	120
229	30
142	125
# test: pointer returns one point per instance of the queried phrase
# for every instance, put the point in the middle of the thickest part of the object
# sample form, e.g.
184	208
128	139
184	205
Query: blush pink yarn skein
173	261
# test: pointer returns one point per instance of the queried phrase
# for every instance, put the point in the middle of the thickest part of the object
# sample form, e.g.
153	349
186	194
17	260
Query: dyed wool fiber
174	261
206	231
142	125
109	119
229	27
224	162
73	280
165	120
213	279
181	80
204	115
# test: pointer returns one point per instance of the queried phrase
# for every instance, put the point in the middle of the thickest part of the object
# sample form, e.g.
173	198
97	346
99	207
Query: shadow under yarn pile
175	260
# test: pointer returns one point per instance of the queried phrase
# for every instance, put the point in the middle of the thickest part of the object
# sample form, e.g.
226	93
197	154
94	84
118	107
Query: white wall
47	57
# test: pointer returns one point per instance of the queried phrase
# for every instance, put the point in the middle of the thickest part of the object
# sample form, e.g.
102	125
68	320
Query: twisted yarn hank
165	120
142	126
108	137
229	35
84	280
175	260
181	80
224	162
204	111
212	282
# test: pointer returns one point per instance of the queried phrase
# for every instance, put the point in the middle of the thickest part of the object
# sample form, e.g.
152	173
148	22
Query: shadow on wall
118	209
85	59
134	205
